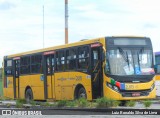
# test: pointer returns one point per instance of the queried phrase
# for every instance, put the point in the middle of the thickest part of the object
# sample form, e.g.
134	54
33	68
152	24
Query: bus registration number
136	94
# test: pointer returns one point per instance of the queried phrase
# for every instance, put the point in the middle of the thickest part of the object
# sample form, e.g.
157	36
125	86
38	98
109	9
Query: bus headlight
116	88
113	87
152	87
109	85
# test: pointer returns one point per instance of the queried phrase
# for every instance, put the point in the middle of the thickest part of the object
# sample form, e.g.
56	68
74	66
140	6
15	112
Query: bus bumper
109	93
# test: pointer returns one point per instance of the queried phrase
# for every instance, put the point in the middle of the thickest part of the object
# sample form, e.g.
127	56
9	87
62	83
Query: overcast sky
21	22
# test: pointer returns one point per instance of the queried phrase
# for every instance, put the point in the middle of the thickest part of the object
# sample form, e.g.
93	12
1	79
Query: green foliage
1	81
105	102
92	104
47	104
82	102
19	105
130	103
147	103
2	98
61	103
20	102
1	88
71	103
23	101
32	102
8	105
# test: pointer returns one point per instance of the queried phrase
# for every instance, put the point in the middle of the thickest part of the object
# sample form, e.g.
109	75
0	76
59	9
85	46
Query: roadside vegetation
130	103
1	86
79	103
2	98
20	102
105	102
147	103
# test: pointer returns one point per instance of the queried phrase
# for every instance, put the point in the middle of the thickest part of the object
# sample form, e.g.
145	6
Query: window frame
6	67
79	50
58	63
36	63
72	58
25	66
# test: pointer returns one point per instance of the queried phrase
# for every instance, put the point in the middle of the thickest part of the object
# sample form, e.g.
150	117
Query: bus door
16	65
96	70
49	75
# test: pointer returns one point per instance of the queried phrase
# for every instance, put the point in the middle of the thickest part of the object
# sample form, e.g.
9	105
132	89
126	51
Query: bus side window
71	59
8	67
36	63
52	59
107	69
83	57
25	65
60	61
48	66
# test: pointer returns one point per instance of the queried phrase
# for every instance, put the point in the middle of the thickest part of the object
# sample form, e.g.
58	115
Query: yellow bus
119	68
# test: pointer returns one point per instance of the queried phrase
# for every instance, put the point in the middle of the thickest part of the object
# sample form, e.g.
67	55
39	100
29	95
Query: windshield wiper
123	55
141	51
138	58
127	60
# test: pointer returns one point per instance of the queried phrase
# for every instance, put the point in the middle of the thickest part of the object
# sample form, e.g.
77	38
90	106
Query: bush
32	102
147	103
105	102
8	105
130	103
82	102
61	103
23	101
71	103
19	104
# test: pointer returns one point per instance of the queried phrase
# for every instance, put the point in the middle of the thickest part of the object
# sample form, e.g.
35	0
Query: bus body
157	65
157	70
119	68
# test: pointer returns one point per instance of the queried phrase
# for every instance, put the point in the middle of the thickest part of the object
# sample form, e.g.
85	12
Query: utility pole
43	25
66	21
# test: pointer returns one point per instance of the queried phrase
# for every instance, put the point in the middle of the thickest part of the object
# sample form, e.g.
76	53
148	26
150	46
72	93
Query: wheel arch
77	88
28	87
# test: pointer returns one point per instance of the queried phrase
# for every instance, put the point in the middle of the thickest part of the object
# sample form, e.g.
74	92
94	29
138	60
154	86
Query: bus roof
82	42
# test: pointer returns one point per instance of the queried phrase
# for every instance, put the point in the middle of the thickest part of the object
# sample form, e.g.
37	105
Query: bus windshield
130	61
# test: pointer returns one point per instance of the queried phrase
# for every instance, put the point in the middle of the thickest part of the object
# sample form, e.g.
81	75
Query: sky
21	22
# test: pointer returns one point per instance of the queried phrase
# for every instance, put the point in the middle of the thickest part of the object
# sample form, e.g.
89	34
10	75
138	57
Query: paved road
90	114
84	116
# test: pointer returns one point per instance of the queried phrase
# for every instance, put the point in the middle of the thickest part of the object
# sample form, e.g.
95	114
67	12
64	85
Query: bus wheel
82	93
28	95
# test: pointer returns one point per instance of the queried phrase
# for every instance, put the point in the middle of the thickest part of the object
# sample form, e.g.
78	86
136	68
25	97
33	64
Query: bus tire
28	95
82	93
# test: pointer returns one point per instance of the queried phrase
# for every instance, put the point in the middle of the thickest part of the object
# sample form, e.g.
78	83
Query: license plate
136	94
